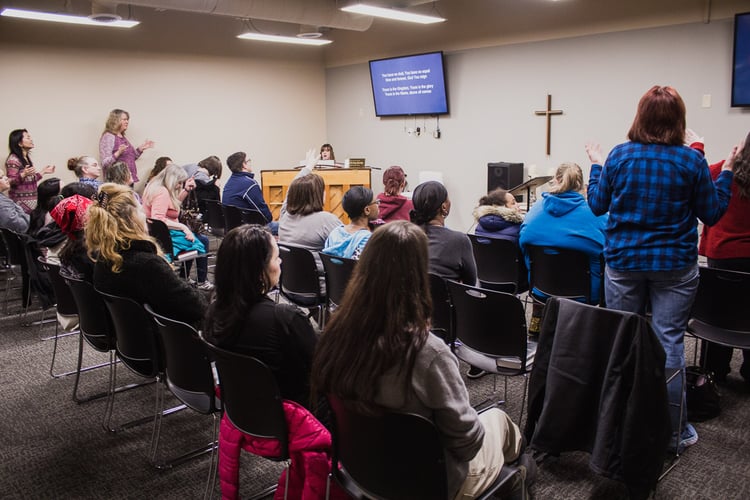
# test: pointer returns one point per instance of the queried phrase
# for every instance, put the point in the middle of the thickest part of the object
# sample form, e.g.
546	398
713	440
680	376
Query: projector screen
741	61
409	85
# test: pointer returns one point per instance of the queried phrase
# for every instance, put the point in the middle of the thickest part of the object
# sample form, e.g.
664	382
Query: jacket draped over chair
599	386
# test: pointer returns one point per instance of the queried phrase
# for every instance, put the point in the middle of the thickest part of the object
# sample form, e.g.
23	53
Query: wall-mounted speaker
504	175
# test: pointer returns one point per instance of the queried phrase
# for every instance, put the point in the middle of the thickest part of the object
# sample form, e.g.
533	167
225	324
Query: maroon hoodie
394	207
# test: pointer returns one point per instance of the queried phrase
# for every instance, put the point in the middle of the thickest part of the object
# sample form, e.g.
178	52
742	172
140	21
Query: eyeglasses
375	202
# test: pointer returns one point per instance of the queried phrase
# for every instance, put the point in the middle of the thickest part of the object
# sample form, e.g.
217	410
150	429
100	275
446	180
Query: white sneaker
206	286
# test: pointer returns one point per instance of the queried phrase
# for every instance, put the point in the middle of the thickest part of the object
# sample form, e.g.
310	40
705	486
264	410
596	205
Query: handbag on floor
702	397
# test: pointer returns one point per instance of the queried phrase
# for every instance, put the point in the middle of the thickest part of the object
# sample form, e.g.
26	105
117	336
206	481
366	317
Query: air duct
307	12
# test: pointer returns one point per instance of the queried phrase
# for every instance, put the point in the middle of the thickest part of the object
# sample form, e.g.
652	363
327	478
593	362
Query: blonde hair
568	177
113	121
170	178
115	221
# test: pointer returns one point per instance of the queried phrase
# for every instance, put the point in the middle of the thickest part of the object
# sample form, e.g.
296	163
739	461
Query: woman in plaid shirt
655	188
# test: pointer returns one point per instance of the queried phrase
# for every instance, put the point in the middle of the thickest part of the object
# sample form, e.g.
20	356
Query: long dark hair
742	169
383	320
428	198
47	196
14	138
240	278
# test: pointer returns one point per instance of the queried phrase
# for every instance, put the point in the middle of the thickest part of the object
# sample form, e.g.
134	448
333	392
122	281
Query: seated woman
51	238
348	241
47	196
129	262
451	255
497	216
162	200
243	319
303	221
563	219
71	215
393	204
375	361
119	173
87	170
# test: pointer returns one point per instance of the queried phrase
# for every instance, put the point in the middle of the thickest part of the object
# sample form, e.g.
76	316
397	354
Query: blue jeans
670	295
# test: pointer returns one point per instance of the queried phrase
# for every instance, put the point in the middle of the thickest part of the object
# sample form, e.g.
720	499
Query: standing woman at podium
655	188
326	152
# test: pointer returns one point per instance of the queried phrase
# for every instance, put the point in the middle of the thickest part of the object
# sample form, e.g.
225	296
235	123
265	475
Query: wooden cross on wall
548	113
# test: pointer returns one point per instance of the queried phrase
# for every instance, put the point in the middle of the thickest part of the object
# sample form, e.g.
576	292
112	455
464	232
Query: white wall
191	106
493	93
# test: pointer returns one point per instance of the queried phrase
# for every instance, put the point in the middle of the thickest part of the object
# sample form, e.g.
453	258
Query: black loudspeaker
504	175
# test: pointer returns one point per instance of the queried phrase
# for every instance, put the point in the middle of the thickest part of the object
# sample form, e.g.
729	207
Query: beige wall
493	92
191	106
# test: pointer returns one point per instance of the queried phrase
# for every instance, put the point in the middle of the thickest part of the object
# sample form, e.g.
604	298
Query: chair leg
678	435
523	396
214	461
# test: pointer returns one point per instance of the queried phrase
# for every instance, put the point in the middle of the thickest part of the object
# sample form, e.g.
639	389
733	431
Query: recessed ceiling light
64	18
283	39
398	15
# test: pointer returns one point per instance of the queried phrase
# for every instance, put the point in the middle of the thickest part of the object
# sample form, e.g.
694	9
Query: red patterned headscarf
70	214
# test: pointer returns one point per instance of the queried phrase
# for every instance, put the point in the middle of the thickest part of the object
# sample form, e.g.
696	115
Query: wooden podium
338	181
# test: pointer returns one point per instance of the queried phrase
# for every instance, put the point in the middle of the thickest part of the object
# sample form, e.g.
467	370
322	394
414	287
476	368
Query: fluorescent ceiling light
283	39
398	15
63	18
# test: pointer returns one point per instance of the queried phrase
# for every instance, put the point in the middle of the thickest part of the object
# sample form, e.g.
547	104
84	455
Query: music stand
528	186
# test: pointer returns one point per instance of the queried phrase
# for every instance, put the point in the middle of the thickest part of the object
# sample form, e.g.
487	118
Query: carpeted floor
51	447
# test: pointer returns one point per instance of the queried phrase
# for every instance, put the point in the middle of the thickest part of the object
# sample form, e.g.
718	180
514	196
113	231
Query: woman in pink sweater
161	201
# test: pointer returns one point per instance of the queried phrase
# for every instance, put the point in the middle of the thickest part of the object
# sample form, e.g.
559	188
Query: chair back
489	322
160	232
94	320
249	216
15	247
214	217
559	272
338	271
250	396
188	369
299	275
718	312
137	342
393	455
442	309
498	263
66	304
232	217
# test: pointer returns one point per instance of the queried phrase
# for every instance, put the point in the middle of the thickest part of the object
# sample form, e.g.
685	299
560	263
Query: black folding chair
232	217
190	378
65	306
338	271
391	456
215	217
559	272
300	279
252	402
138	348
96	329
442	309
498	263
491	333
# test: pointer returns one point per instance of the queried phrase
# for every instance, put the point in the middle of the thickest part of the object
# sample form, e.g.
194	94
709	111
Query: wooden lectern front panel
338	181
